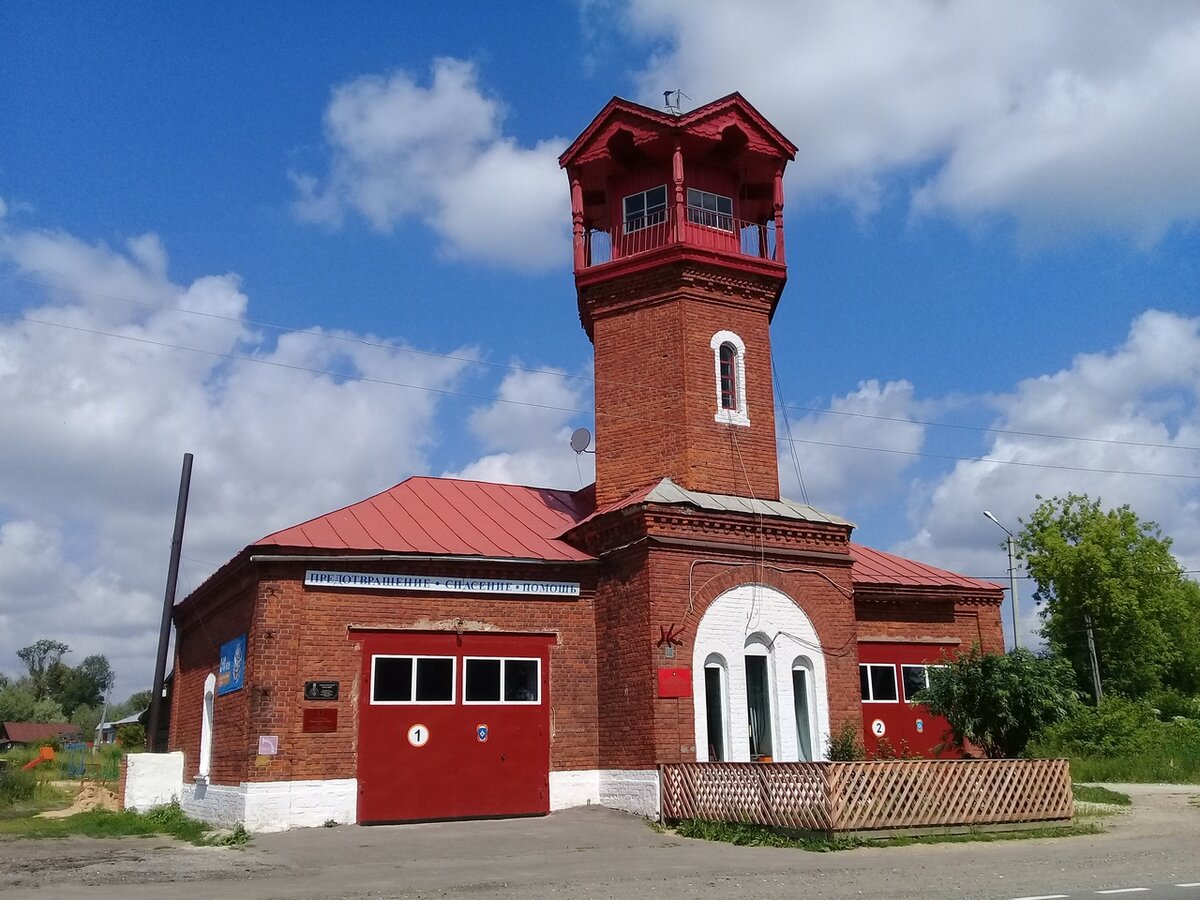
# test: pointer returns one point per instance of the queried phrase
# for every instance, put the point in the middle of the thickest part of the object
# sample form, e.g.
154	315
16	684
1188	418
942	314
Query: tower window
710	210
646	208
729	387
729	363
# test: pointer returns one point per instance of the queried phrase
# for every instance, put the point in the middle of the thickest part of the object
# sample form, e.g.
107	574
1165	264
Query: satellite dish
581	439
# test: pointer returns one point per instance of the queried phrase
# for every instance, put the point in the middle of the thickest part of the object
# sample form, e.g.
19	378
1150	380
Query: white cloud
527	432
438	154
1067	116
837	477
1139	406
93	427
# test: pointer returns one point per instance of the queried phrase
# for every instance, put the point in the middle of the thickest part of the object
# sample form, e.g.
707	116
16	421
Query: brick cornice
679	277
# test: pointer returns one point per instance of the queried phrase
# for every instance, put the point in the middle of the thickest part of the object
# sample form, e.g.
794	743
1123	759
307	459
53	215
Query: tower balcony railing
702	228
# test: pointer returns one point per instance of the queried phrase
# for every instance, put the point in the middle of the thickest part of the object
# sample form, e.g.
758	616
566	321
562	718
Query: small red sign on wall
320	721
674	682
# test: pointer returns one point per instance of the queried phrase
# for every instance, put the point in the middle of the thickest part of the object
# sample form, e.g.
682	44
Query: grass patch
1093	793
761	836
986	837
42	798
744	835
99	823
1141	769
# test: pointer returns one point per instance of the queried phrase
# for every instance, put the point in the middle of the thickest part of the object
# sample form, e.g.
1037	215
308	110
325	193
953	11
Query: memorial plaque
321	690
320	721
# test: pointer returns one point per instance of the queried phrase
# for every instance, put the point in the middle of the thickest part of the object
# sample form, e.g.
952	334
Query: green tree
997	702
87	718
42	664
16	704
1119	571
86	684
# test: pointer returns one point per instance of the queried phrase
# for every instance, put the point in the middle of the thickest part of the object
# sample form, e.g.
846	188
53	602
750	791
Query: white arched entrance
757	665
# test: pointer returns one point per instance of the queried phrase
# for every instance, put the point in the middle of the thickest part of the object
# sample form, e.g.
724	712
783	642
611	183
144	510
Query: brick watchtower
679	263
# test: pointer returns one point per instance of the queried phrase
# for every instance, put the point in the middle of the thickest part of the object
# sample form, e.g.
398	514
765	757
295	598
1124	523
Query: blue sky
992	229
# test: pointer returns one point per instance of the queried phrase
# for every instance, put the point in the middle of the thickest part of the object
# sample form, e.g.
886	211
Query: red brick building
449	649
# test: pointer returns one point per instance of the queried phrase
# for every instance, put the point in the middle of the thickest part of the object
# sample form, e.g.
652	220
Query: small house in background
106	732
31	734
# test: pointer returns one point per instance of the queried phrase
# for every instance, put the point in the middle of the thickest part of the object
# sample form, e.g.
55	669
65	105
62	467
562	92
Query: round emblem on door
481	732
418	735
878	728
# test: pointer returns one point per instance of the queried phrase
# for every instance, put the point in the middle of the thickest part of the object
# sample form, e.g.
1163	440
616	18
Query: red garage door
453	726
890	675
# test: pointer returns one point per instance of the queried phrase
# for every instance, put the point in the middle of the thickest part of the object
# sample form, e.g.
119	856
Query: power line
327	335
1003	462
287	329
546	406
1040	434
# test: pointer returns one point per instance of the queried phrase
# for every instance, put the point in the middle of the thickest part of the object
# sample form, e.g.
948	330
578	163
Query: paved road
596	853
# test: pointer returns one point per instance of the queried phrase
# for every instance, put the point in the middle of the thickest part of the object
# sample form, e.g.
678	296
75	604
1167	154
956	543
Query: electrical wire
551	407
333	336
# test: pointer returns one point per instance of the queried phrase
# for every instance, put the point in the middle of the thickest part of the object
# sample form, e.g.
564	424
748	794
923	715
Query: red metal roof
451	517
32	732
873	567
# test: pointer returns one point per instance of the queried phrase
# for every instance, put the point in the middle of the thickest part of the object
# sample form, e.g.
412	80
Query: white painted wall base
631	790
152	779
280	805
273	805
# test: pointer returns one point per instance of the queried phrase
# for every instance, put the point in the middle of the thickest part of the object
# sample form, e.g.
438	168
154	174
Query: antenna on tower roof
672	101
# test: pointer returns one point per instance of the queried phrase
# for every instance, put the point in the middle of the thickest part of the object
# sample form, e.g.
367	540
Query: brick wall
656	383
200	630
932	617
300	634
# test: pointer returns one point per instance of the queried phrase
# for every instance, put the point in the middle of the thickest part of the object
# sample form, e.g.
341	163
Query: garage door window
878	683
412	679
501	680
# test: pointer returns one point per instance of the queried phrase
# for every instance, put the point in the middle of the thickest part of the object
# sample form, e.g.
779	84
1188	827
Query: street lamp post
1012	574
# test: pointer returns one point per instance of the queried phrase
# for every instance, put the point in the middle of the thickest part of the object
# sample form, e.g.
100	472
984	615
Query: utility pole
164	631
1012	575
1087	620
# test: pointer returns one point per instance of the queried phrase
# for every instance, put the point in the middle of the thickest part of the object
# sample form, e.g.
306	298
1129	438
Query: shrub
1117	727
132	736
15	785
845	745
1171	705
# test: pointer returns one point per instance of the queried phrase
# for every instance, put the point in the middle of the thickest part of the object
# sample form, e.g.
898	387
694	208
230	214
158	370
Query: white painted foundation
273	805
631	790
152	779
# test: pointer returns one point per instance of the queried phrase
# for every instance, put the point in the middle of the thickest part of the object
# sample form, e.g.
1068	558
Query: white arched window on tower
729	367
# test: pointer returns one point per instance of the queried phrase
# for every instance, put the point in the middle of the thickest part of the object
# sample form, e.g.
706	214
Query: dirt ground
88	796
599	853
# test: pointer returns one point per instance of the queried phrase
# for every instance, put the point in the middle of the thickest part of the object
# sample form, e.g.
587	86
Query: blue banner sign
231	676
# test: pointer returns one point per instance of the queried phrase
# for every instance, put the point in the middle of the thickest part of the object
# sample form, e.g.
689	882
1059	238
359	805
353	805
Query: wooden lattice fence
868	796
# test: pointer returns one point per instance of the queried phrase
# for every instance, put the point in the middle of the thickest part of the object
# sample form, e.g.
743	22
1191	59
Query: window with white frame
412	679
645	208
878	682
914	679
729	370
759	690
710	210
802	701
716	707
488	679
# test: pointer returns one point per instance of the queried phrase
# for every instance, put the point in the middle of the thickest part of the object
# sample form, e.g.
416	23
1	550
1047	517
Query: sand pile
92	795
